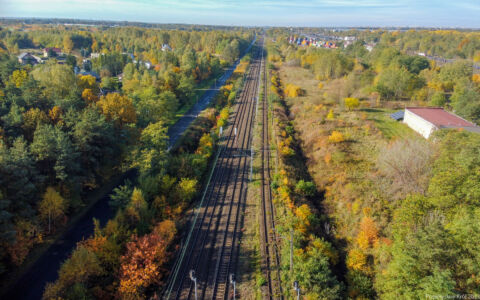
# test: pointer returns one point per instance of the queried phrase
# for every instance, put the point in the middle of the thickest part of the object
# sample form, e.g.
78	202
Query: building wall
418	124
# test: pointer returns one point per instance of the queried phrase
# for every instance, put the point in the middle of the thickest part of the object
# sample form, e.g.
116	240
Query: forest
377	210
73	121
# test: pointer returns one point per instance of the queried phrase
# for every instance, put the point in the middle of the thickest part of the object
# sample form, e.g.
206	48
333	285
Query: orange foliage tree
141	266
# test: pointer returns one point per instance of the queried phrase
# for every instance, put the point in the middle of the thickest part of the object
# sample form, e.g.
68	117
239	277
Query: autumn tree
52	206
67	44
293	91
117	108
74	276
351	103
18	77
336	137
88	82
89	96
141	266
330	115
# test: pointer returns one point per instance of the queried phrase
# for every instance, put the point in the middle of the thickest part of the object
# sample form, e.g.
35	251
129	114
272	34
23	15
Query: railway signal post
297	289
194	279
232	281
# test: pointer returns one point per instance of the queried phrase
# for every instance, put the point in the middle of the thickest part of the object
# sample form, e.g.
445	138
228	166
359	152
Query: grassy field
390	128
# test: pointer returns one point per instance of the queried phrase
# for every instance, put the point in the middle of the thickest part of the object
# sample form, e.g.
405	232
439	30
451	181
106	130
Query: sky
331	13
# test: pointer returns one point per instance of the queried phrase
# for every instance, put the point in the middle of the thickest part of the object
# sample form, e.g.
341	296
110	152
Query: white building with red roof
425	120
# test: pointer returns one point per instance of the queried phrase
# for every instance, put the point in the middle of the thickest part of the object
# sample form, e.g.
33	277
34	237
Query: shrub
293	91
330	115
336	137
306	188
352	103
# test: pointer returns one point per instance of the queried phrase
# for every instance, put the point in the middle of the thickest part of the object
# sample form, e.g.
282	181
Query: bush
352	103
293	91
306	188
336	137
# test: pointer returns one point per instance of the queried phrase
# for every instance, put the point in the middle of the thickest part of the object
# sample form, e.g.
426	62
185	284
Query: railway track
270	253
211	249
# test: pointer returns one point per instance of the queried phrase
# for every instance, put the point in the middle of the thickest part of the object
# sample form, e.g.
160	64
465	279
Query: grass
390	128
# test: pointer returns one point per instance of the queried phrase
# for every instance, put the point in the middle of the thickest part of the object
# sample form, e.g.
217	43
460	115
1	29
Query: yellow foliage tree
32	118
293	91
67	44
89	97
351	103
336	137
18	77
356	260
476	57
330	115
52	206
88	82
303	214
55	114
117	108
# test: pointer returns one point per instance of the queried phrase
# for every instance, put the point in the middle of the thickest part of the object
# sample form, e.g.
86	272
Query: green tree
186	189
18	178
152	155
466	101
438	99
54	151
57	80
121	195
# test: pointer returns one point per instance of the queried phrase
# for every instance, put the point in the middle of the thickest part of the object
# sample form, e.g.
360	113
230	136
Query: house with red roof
425	120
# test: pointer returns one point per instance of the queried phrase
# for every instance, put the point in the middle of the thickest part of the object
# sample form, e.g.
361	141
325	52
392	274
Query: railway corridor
269	249
211	247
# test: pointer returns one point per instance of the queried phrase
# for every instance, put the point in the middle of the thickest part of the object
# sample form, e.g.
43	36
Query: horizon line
246	26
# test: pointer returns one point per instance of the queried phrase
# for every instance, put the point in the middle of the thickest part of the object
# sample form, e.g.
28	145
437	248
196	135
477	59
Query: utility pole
232	281
194	279
296	288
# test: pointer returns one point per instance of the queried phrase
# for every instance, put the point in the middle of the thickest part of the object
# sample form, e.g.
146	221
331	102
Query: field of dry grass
346	170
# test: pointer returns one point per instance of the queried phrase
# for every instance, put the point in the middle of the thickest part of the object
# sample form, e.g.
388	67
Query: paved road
176	130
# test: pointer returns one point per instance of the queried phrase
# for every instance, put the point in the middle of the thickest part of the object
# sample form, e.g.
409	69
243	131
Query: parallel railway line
212	246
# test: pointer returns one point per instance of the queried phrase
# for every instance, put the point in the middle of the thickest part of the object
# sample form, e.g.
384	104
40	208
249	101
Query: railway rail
270	253
211	248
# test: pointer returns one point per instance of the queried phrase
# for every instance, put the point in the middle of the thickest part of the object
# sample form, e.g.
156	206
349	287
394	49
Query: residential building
28	58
